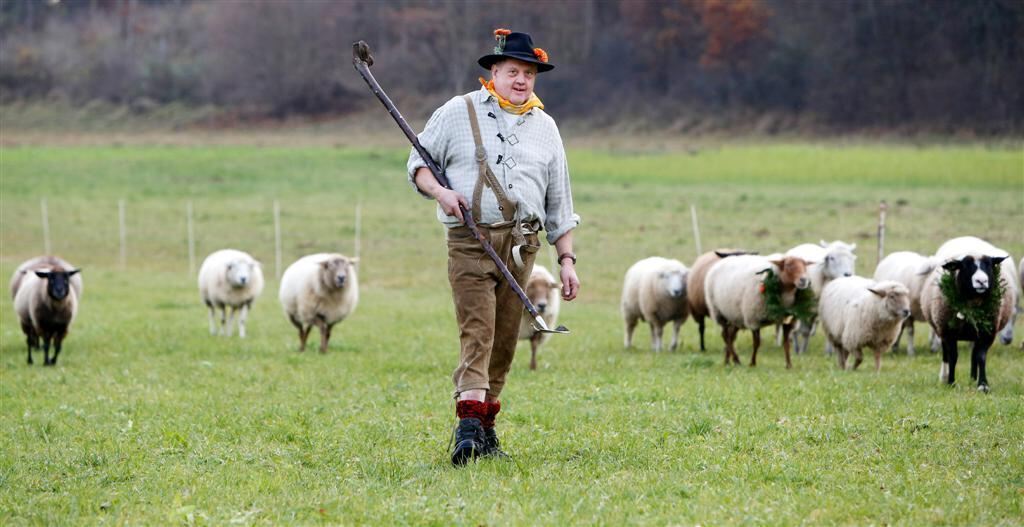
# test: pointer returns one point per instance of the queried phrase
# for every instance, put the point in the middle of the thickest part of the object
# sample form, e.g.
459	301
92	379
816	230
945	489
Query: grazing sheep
46	291
903	267
229	279
972	264
542	290
831	261
695	285
319	290
735	294
654	290
856	312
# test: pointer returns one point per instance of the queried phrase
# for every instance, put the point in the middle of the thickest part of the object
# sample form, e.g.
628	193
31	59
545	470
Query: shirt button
509	185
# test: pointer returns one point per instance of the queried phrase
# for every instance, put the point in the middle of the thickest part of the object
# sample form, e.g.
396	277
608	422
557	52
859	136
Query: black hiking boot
492	447
469	441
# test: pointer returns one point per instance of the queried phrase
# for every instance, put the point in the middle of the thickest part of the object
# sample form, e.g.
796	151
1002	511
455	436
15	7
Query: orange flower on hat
501	32
540	54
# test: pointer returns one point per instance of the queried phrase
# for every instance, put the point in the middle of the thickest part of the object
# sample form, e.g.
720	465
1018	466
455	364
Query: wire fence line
169	235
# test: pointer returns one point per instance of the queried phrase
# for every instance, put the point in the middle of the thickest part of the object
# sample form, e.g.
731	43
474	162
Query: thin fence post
277	239
47	248
359	221
123	233
191	240
882	208
696	229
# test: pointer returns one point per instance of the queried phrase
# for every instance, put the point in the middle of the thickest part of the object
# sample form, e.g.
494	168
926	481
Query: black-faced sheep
319	290
542	290
736	294
229	279
654	290
973	265
856	312
46	291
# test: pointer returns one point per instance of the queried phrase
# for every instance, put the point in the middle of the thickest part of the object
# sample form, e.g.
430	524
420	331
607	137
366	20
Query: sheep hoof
983	388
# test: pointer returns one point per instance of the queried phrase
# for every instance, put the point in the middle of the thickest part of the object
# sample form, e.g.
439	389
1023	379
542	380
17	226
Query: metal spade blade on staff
362	61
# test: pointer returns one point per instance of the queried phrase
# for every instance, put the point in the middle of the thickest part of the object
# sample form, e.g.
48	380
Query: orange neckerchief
531	103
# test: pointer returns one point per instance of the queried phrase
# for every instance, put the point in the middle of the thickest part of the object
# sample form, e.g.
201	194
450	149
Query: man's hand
450	201
570	283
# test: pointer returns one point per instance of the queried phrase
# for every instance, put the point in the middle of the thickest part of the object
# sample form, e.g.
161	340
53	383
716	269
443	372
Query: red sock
474	409
491	413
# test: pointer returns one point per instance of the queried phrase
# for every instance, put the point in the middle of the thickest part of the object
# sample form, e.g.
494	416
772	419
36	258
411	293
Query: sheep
695	285
972	263
833	260
46	291
654	290
319	290
903	267
232	279
1020	268
735	295
856	312
542	290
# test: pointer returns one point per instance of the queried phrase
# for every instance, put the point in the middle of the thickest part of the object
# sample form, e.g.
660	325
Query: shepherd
505	163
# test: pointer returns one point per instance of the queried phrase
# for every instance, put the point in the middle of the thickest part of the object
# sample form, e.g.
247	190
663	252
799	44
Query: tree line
937	65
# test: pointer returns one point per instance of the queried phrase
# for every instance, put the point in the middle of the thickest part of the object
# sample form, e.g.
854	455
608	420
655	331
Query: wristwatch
563	256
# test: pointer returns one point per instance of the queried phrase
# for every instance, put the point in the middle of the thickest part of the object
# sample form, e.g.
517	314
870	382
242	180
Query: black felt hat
517	46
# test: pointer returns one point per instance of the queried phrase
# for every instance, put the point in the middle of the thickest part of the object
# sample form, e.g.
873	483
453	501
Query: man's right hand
450	202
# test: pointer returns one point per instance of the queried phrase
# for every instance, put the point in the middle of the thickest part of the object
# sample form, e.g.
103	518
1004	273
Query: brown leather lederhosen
487	309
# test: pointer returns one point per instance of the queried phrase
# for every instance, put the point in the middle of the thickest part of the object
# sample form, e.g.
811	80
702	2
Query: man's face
513	79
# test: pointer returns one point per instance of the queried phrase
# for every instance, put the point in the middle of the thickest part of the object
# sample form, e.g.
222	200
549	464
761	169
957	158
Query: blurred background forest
767	66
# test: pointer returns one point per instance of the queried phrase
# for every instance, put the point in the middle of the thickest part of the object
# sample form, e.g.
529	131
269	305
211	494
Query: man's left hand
570	282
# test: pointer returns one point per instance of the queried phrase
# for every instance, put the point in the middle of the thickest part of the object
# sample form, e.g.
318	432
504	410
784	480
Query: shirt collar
484	96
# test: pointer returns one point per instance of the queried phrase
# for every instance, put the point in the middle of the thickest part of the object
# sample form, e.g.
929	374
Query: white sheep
46	291
319	290
232	279
654	290
973	265
856	312
542	290
736	297
830	261
904	267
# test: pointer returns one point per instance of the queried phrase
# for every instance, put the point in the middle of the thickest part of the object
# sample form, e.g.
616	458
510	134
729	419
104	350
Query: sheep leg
949	356
58	338
31	340
910	336
534	344
757	344
656	330
978	358
700	329
242	315
676	324
223	320
785	345
728	336
325	334
899	336
778	334
46	351
840	355
878	359
859	358
213	319
630	326
229	327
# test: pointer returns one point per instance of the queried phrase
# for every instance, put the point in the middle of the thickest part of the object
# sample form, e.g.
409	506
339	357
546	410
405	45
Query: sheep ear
853	247
354	261
877	292
326	264
780	263
996	260
951	265
43	274
74	272
823	243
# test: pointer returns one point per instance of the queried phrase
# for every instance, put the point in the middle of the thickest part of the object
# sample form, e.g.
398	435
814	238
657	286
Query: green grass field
149	420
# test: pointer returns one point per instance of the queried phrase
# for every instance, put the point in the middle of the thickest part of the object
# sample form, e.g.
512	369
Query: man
505	161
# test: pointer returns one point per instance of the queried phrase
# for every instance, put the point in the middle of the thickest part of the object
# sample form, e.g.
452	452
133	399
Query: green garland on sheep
980	313
804	307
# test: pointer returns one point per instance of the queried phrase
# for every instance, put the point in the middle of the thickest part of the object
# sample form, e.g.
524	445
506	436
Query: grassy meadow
149	420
